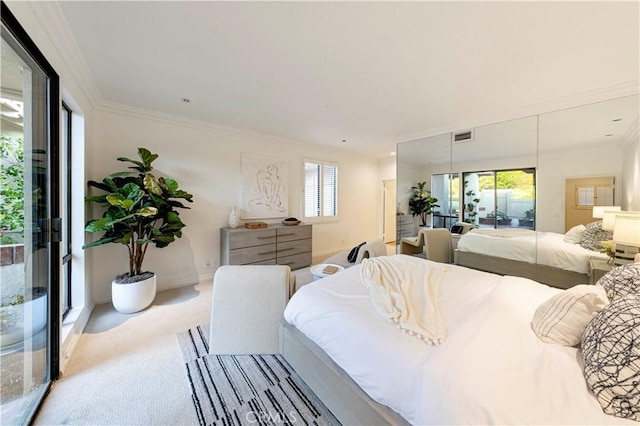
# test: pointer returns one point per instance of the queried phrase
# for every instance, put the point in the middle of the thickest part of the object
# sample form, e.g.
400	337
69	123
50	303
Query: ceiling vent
463	136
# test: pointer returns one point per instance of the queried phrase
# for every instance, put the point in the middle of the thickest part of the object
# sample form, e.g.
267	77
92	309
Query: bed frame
342	396
544	274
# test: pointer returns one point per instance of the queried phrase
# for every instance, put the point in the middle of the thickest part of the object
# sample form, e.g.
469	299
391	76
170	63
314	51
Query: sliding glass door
29	269
500	198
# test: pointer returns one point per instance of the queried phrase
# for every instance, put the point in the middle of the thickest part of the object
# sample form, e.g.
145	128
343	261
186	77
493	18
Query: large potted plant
139	209
422	203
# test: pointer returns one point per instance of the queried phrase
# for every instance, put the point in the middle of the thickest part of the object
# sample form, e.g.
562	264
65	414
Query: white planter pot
133	297
23	320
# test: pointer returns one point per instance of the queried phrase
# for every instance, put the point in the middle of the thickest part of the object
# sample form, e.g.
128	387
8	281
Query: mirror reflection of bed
541	175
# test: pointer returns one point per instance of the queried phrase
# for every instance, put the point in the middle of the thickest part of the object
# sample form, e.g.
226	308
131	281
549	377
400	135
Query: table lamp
626	235
598	211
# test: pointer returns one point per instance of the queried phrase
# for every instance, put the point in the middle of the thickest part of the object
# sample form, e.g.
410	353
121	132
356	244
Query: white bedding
491	369
544	248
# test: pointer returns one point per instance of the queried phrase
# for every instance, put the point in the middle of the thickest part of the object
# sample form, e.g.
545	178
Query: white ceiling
371	73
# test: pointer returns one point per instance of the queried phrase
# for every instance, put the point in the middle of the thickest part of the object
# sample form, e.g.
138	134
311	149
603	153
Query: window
320	189
65	207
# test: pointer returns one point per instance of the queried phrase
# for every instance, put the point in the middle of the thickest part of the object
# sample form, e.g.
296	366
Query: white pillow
574	235
563	318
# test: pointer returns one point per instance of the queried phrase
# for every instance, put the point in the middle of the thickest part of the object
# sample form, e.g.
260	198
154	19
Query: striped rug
247	389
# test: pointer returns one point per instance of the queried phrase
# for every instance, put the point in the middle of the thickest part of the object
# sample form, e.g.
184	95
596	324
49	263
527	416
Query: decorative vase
234	221
133	297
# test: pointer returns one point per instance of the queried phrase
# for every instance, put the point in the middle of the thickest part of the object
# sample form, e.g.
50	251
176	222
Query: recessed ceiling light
617	119
185	100
344	140
610	134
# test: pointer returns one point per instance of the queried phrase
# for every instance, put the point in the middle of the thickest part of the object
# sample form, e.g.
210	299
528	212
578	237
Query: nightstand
597	268
454	245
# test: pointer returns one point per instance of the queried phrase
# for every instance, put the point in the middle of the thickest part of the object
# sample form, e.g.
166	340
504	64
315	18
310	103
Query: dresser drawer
243	256
290	233
296	261
292	247
264	262
250	238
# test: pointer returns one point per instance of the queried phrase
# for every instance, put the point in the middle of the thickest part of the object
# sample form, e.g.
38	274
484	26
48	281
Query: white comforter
491	369
544	248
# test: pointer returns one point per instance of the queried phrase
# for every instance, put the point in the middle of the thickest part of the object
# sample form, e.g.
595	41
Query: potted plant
422	203
139	209
13	312
470	205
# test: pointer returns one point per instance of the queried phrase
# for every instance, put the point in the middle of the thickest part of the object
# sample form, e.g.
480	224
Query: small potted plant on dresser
139	209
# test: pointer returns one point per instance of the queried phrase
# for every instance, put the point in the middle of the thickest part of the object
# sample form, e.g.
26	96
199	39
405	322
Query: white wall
207	163
555	167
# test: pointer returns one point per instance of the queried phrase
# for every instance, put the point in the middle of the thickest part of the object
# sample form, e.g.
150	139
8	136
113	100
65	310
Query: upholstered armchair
366	251
435	244
247	308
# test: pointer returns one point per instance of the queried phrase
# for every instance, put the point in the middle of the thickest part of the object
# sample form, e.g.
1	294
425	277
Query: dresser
273	245
405	227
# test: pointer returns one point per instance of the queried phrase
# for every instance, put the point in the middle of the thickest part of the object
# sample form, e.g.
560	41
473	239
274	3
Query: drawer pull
264	238
266	252
286	235
286	263
286	249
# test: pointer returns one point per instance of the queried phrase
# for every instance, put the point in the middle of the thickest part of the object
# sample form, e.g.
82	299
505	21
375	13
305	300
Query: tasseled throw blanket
406	290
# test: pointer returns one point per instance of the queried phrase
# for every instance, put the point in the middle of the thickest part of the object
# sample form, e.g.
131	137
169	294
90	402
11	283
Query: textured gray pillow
611	356
621	281
593	235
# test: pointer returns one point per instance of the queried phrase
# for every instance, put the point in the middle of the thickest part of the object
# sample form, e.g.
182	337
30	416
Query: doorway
581	194
389	211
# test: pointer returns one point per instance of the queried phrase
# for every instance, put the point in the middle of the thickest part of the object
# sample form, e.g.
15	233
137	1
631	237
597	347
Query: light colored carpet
127	369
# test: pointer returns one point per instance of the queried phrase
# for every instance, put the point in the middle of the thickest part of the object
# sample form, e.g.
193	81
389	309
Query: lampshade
598	211
626	230
608	219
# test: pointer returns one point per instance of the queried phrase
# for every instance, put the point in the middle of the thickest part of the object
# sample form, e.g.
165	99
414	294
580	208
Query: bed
542	256
491	369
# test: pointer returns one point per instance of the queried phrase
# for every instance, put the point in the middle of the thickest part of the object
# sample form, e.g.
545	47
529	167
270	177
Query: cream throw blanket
406	291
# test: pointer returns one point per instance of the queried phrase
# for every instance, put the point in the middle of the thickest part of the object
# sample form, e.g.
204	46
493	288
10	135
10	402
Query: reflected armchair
367	250
436	245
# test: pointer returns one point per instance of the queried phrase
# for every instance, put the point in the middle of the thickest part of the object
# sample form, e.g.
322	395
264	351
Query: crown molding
145	114
619	90
632	135
52	20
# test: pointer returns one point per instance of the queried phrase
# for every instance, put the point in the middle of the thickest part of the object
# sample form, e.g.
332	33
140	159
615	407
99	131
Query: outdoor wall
207	163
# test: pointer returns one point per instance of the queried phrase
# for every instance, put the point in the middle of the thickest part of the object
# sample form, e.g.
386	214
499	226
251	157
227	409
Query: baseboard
72	337
168	285
185	282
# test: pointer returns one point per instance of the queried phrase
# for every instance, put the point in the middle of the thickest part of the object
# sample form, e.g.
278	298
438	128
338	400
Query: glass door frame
49	227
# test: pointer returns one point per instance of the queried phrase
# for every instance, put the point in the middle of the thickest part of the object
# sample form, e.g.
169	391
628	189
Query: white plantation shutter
320	189
330	190
311	189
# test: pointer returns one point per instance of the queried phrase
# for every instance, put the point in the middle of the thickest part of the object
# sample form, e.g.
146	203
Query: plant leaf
151	184
147	157
147	211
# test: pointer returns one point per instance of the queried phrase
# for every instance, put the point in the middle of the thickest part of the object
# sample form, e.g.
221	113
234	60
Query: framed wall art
264	187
